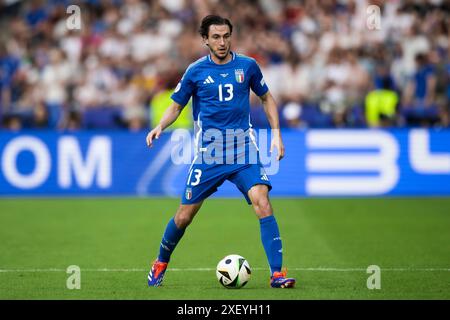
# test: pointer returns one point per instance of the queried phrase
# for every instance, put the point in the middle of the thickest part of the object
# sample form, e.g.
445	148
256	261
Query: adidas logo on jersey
264	177
208	80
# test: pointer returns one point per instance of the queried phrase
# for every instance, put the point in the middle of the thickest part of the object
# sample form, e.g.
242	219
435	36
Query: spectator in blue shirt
421	89
8	67
419	105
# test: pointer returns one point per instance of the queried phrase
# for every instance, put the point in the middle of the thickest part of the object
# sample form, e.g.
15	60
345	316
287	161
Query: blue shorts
204	179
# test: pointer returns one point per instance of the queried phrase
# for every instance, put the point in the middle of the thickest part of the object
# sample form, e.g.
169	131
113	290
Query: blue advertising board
409	162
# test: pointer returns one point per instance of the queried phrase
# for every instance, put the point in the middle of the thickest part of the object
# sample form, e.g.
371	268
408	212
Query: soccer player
219	85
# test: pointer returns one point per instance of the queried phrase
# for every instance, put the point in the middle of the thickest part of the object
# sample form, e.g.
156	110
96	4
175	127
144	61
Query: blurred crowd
328	63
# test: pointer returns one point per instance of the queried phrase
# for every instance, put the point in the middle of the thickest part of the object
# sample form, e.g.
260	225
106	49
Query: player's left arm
271	110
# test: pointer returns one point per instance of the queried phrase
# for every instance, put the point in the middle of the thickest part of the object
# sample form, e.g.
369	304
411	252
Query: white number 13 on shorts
197	175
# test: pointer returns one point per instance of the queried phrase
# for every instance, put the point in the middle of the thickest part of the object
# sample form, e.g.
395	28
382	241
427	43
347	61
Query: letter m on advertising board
96	163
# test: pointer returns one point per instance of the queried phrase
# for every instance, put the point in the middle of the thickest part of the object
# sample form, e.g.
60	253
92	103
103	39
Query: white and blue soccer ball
233	271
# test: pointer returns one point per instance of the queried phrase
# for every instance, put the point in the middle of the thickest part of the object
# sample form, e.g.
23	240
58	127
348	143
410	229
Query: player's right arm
180	98
170	115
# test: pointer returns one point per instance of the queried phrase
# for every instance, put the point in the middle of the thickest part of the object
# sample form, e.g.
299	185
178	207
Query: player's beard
220	56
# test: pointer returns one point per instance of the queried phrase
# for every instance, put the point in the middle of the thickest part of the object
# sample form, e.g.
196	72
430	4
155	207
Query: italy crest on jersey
239	73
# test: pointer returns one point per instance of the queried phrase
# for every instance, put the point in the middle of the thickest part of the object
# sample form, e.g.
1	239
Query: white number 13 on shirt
229	91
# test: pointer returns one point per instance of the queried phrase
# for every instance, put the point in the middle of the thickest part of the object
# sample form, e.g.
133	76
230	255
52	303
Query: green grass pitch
328	245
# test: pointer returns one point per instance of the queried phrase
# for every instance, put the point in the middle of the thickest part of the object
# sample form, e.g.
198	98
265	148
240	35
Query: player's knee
183	217
262	207
182	221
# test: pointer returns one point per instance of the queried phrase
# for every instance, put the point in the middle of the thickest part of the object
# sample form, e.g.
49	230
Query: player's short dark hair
210	20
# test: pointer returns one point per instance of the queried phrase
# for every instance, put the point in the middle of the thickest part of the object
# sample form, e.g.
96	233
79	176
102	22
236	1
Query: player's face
219	41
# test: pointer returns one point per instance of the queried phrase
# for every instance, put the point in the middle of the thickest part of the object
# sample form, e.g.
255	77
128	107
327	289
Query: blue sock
169	241
270	237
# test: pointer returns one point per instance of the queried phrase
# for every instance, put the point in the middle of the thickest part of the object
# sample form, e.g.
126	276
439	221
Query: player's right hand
154	134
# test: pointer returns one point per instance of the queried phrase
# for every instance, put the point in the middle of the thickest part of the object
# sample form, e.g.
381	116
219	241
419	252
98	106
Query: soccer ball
233	271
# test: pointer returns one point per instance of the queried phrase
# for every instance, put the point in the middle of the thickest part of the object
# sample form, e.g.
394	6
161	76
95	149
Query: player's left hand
277	143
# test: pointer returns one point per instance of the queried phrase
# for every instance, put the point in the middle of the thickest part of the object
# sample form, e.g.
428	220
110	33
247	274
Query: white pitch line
319	269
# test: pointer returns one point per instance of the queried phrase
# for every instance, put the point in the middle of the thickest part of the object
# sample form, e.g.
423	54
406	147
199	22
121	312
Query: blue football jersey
220	101
220	92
